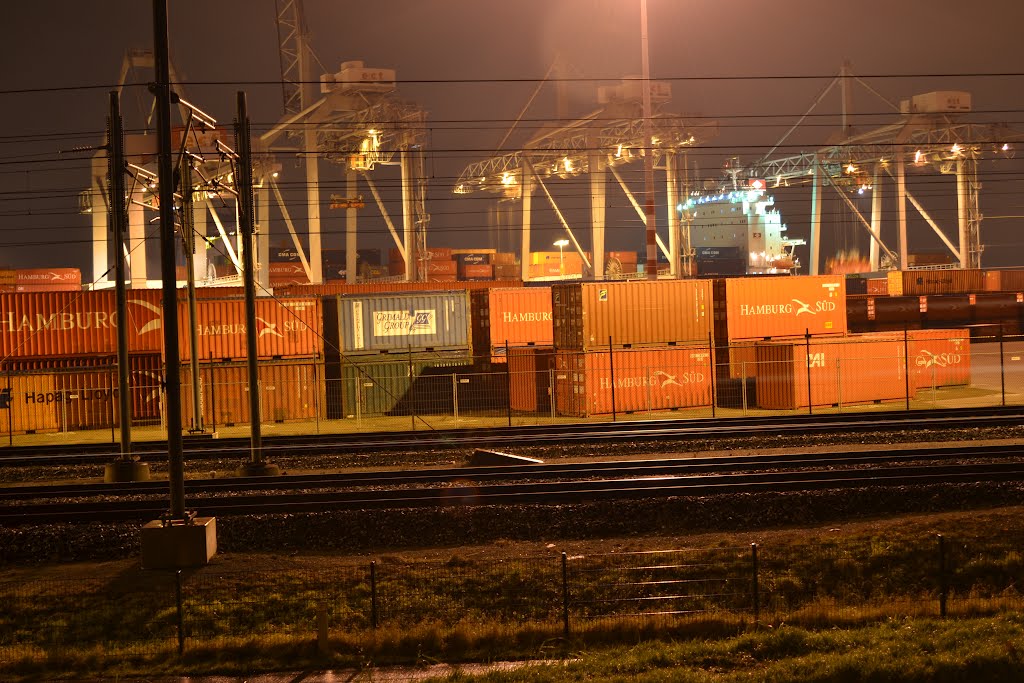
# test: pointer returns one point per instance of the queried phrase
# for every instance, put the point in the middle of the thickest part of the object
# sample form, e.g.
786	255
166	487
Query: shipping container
420	384
82	393
877	286
383	323
33	405
856	285
918	282
632	380
640	313
530	371
290	391
550	270
472	271
843	371
475	258
48	276
7	277
1004	280
507	272
760	307
503	258
337	287
443	278
624	257
937	358
442	268
84	323
518	316
285	328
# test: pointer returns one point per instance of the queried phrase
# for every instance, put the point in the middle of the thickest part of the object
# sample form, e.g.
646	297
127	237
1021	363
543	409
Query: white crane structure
204	162
595	145
356	120
932	133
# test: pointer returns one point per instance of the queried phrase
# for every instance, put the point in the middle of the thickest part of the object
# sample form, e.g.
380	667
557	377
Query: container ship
739	232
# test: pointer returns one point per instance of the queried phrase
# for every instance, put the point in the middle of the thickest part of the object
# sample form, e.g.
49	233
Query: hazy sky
711	53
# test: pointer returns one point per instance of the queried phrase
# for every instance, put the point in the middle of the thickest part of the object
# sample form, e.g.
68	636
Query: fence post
316	395
508	385
373	593
906	363
1003	374
321	628
943	587
565	595
743	385
213	397
611	372
110	406
412	393
807	342
181	612
455	397
552	392
754	585
712	379
10	411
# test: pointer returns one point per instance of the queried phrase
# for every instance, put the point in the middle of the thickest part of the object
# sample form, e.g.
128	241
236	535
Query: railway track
548	484
197	448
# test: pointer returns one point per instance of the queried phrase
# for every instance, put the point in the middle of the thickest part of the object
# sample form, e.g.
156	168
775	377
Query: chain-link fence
813	584
911	370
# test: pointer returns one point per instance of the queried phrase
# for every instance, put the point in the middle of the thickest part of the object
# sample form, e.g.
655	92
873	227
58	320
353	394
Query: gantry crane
602	141
356	120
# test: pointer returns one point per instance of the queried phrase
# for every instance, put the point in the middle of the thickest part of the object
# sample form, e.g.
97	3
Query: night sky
723	60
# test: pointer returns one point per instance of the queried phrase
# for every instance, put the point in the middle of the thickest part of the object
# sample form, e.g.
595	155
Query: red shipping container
1004	281
77	323
439	253
49	276
442	277
643	380
759	307
842	371
477	271
338	287
624	257
878	286
441	268
503	258
286	328
520	316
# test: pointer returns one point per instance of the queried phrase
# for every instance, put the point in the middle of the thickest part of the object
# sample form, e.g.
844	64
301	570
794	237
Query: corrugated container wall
48	324
842	371
285	328
938	358
385	323
917	282
529	379
289	391
640	313
419	386
1004	281
643	380
759	307
520	316
338	287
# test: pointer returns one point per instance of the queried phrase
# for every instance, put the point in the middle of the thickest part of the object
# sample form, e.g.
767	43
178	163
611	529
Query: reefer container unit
285	328
632	380
389	323
58	324
420	384
587	315
518	316
530	373
759	307
289	391
842	371
917	282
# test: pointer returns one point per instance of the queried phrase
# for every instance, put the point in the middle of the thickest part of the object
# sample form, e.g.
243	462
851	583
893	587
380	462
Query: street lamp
561	244
651	231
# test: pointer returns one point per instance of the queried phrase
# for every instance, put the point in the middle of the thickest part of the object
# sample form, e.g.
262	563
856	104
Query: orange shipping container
339	287
503	258
918	282
938	358
759	307
529	376
442	277
441	268
289	391
624	257
77	324
33	398
587	315
842	371
878	286
520	316
286	328
643	380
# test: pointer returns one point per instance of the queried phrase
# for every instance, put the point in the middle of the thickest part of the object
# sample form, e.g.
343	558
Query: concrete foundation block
179	545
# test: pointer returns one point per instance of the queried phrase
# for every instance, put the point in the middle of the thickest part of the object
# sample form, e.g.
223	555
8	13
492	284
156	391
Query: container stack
632	346
382	350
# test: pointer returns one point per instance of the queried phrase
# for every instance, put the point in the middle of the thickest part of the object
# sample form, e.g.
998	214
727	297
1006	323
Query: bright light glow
918	157
851	168
1005	147
956	148
274	174
860	190
567	164
507	179
618	151
561	244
